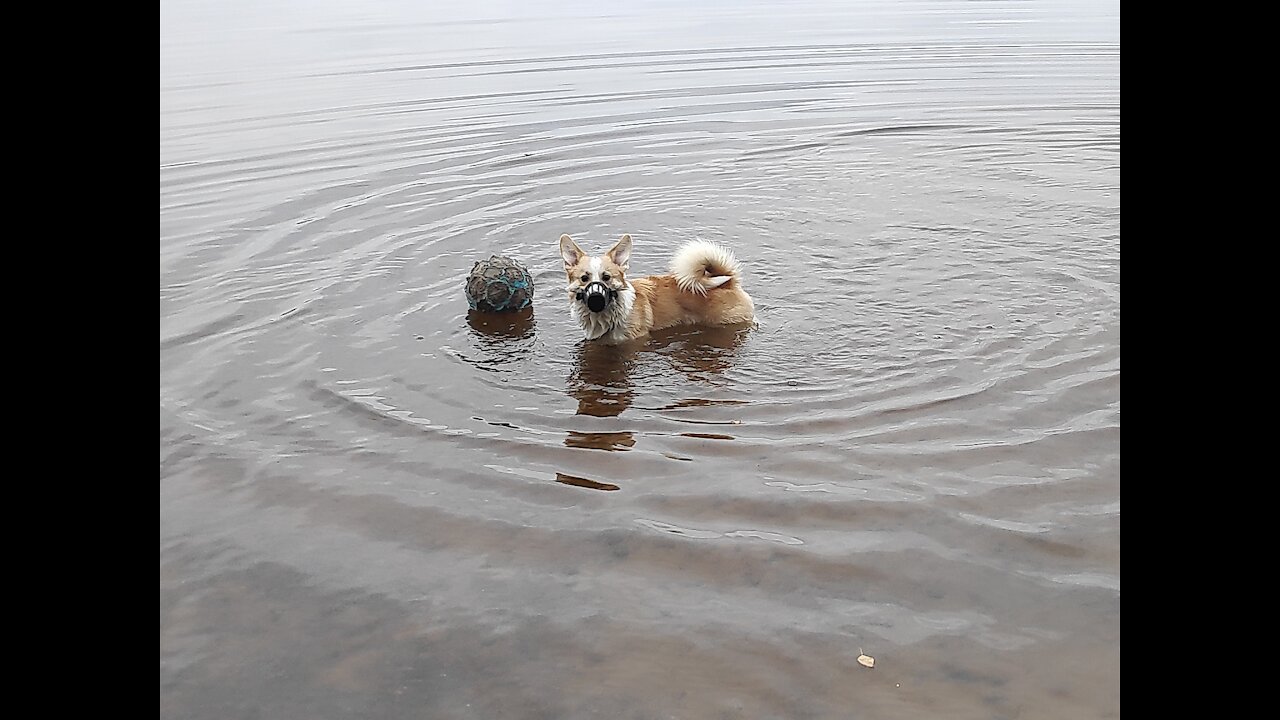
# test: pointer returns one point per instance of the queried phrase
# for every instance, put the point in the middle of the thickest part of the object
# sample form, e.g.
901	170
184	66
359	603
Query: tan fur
659	300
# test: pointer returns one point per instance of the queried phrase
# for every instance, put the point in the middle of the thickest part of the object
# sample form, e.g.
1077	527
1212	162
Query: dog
704	287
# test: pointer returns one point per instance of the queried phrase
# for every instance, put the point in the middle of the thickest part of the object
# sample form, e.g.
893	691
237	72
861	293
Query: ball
499	284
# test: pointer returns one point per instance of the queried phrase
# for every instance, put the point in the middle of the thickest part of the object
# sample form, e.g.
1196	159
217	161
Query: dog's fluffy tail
701	266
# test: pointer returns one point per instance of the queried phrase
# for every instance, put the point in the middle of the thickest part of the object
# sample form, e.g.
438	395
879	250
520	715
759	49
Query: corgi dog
704	287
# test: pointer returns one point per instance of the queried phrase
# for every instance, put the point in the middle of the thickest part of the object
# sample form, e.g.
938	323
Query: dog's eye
586	278
605	277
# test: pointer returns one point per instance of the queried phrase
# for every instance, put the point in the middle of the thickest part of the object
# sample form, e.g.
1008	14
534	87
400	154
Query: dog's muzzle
597	295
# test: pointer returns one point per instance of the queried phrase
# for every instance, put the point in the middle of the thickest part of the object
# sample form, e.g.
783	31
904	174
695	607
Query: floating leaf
865	660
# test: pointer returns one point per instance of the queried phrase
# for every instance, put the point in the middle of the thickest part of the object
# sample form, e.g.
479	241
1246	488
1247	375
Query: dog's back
704	288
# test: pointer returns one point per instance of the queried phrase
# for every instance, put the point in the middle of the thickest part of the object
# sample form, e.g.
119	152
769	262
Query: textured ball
499	284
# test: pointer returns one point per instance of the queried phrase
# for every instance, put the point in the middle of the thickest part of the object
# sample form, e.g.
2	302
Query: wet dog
704	287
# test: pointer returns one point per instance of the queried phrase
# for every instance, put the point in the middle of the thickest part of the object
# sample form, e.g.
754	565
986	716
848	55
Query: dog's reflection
603	376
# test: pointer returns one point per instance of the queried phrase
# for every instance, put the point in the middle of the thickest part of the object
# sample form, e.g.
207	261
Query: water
375	505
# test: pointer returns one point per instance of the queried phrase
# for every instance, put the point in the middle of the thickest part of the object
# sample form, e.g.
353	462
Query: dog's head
595	281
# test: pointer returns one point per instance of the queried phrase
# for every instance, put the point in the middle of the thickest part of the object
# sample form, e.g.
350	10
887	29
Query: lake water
375	505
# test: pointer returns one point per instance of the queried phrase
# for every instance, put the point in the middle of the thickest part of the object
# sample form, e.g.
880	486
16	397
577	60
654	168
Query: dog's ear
570	251
620	253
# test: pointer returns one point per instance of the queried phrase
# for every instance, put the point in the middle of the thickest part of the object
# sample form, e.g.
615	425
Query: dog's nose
595	302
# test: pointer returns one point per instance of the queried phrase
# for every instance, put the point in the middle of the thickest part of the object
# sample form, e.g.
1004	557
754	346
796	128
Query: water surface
373	504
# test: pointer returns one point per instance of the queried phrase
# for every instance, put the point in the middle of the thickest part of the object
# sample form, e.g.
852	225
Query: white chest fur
609	324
